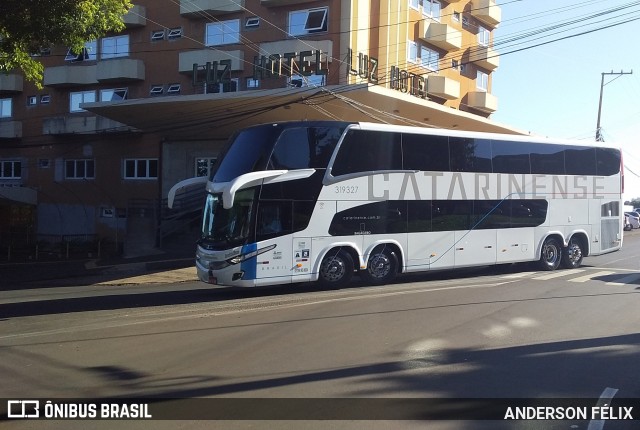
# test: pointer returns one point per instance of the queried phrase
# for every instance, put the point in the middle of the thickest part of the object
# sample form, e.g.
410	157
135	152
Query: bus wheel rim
379	266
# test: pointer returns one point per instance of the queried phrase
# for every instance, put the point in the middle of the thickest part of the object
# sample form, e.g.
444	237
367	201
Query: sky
554	89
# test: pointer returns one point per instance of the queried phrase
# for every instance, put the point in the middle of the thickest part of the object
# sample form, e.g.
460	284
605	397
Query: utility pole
599	136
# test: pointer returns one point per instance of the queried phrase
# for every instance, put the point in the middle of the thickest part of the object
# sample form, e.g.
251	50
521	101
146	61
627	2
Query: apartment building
94	153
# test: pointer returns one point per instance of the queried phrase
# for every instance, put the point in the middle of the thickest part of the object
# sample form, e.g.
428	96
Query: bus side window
368	151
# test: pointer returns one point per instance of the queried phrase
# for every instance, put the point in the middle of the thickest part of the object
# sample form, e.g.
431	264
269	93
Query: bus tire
550	255
573	254
382	266
336	269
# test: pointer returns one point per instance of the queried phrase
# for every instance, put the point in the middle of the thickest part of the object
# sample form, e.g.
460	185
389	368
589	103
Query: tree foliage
28	26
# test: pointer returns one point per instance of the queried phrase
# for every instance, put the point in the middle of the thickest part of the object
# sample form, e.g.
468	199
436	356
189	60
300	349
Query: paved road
506	332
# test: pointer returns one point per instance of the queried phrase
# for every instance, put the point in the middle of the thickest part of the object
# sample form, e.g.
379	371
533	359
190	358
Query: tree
28	26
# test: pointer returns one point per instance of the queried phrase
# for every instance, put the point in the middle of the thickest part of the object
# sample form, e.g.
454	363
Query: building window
223	32
484	36
156	90
5	108
204	165
414	4
10	169
174	33
465	21
299	81
253	22
117	46
79	97
45	99
113	94
174	89
431	8
412	52
455	64
456	16
302	22
79	169
141	168
482	81
227	87
253	83
89	53
430	59
32	100
157	35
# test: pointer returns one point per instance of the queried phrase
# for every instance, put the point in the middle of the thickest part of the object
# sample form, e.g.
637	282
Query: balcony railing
81	124
136	17
486	11
443	87
443	36
10	129
71	75
482	100
485	57
120	70
202	8
11	83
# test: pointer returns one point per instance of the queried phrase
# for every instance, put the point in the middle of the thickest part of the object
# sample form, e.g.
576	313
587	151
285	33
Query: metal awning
213	116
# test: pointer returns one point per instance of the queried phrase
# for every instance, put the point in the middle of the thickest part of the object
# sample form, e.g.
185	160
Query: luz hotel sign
314	62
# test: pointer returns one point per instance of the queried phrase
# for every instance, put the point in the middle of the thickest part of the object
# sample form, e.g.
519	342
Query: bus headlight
242	257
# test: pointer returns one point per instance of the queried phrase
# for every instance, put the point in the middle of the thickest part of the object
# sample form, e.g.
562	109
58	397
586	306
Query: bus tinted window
452	215
419	216
366	151
547	159
580	161
426	153
470	155
510	157
608	160
248	152
372	218
305	147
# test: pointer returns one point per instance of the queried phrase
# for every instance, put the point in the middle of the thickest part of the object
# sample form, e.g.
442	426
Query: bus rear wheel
551	254
336	269
573	255
382	266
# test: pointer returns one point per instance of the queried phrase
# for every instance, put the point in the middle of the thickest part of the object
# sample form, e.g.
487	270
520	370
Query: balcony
443	87
136	17
443	36
483	101
486	11
276	3
11	83
13	190
72	124
187	59
202	8
485	57
10	129
120	70
68	76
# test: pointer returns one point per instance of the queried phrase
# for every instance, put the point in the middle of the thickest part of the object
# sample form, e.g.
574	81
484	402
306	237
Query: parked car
634	219
627	223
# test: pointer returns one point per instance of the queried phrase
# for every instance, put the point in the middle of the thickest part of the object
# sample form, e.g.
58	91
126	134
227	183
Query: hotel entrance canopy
217	116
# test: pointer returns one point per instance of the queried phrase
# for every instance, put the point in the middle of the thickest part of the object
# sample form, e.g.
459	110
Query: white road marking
519	275
604	400
591	276
558	274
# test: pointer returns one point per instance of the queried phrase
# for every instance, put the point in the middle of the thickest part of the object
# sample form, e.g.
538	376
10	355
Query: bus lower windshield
223	228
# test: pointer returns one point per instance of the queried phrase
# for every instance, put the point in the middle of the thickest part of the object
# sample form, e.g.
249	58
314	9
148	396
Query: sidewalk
158	268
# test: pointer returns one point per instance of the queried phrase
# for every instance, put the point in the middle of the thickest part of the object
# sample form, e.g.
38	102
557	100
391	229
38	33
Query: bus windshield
222	228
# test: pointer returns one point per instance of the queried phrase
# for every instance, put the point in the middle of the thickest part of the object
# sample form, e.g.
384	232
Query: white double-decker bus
307	201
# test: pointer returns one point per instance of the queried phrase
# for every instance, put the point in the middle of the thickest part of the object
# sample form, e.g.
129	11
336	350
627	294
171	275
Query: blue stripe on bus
249	267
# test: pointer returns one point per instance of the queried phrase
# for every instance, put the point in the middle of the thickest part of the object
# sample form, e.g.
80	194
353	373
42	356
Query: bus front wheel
382	266
573	255
336	269
551	254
